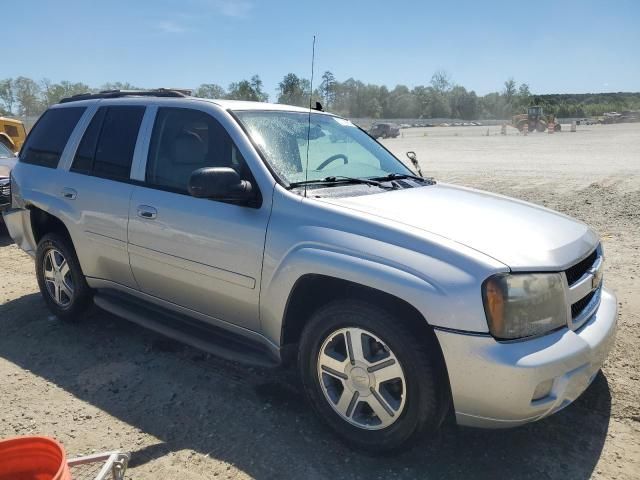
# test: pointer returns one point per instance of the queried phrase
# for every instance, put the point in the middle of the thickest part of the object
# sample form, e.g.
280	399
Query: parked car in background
12	133
384	130
7	162
242	229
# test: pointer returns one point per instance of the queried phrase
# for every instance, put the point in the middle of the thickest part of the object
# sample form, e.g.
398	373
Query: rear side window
107	147
50	135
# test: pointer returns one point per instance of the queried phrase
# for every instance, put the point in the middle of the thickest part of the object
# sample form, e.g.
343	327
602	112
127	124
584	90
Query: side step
200	335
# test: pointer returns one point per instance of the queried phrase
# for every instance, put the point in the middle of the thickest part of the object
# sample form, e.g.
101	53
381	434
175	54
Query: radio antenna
306	170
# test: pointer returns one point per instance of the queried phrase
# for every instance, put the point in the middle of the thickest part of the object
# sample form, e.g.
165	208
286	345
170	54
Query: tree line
440	98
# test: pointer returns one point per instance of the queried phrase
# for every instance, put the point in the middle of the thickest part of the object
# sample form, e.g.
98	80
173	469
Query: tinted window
49	136
83	161
184	140
11	130
114	151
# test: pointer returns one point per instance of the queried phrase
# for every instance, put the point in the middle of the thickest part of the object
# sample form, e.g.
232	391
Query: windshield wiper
399	176
338	180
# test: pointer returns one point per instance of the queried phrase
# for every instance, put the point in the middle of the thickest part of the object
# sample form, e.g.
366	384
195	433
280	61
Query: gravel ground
106	384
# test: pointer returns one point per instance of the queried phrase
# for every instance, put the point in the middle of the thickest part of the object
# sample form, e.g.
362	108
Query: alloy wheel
57	277
361	378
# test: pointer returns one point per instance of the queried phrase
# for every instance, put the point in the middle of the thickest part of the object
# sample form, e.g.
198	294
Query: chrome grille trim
588	310
588	284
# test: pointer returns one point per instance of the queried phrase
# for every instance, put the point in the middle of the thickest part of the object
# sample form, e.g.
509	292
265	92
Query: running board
197	334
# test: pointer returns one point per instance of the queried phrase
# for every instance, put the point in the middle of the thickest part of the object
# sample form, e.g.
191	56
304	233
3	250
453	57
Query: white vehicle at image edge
272	235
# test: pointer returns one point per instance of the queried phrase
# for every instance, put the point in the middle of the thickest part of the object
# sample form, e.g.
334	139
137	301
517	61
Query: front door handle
145	211
69	193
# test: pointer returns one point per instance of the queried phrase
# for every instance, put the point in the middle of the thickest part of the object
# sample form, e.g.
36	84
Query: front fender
426	294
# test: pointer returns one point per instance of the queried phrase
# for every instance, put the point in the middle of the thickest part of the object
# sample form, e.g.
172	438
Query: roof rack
156	92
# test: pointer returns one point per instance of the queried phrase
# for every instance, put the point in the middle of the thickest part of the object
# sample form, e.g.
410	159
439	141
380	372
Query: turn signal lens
524	305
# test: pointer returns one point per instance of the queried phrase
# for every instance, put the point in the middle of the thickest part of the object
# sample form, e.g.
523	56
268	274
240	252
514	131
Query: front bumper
493	383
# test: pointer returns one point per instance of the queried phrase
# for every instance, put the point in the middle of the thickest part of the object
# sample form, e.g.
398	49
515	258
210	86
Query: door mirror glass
219	183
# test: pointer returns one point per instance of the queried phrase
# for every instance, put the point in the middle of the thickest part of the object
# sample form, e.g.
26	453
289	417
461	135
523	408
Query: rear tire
373	407
60	278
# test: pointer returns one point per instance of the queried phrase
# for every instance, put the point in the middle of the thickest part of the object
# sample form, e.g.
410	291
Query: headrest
189	148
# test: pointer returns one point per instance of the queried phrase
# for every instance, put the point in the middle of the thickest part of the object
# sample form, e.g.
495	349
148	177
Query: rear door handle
145	211
69	193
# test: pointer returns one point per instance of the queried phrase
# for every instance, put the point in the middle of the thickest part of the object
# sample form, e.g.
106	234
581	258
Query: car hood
521	235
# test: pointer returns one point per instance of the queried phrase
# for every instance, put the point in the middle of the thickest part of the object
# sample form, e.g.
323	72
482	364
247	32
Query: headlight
524	305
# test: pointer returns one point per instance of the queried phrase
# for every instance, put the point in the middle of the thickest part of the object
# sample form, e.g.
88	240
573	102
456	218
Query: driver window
184	140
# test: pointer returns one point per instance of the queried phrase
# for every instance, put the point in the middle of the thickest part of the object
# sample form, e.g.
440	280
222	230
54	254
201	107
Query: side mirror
414	160
220	183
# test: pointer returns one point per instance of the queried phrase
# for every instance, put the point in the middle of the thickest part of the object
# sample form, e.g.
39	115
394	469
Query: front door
200	254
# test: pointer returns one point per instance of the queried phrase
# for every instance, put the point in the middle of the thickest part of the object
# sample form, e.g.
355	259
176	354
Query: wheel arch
304	300
311	291
43	222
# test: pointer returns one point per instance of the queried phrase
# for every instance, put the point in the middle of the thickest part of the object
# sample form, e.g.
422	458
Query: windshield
337	148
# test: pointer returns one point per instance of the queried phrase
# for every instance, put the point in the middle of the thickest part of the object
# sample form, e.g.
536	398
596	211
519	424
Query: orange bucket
33	458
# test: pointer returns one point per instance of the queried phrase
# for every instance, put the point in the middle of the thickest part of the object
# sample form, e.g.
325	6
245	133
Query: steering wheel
333	158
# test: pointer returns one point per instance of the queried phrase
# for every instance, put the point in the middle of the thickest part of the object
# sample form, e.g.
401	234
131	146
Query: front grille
579	269
5	192
578	307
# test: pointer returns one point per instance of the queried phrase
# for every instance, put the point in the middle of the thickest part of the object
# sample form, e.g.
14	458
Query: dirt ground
106	384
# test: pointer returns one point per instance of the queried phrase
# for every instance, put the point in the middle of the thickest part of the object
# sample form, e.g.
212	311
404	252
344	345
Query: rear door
98	189
200	254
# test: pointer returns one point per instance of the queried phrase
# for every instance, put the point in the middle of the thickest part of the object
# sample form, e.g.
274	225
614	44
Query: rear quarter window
49	136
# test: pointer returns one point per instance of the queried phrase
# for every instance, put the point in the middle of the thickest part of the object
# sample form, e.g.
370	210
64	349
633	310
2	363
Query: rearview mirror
219	183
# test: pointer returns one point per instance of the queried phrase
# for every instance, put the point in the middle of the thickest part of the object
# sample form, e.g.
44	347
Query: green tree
52	93
463	104
509	91
7	94
256	84
118	86
250	90
441	81
328	89
28	97
210	90
293	90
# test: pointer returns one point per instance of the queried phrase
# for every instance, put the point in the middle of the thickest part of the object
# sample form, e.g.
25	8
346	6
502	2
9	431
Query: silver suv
272	234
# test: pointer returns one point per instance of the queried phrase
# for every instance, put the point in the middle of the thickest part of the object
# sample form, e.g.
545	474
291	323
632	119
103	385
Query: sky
561	46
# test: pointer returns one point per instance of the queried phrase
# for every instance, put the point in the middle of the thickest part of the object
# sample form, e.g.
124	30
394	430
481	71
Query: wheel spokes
385	371
347	403
381	409
57	277
354	345
362	378
64	268
333	366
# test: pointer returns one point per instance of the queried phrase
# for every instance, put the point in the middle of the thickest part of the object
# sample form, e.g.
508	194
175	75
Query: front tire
60	278
369	377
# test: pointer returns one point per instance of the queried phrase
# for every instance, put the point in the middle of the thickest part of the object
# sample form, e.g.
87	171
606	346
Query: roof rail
157	92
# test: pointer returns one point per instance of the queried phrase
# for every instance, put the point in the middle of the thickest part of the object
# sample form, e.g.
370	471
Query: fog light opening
543	390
